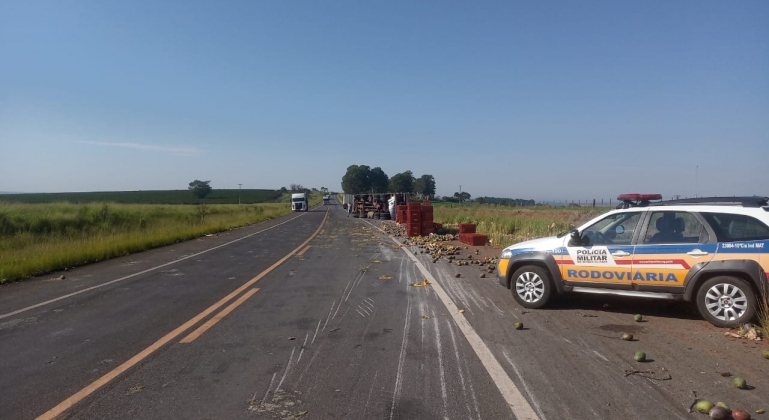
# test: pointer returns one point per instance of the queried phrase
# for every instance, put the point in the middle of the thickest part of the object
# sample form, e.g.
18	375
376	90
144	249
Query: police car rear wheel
531	286
726	301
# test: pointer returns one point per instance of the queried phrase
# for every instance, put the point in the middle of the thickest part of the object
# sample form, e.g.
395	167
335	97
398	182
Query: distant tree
402	182
283	190
297	188
357	179
463	196
200	189
480	200
425	185
324	190
379	180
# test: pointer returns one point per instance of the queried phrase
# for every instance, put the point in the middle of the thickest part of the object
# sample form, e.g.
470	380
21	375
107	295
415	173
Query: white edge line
88	289
512	395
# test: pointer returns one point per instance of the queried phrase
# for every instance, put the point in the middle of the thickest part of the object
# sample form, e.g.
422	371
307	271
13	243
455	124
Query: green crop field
217	196
40	238
508	225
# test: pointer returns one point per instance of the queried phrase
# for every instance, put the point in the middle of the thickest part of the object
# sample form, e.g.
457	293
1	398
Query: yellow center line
218	317
95	385
304	250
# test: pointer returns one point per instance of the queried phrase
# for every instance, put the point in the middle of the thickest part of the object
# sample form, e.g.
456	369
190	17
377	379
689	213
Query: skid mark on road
285	372
304	346
401	359
526	386
316	331
330	311
370	391
476	413
441	370
512	395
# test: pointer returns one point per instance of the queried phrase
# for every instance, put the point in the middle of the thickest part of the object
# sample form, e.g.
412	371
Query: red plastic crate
474	239
427	217
466	228
414	206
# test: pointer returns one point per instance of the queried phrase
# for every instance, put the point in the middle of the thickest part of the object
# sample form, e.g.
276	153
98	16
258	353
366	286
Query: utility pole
239	185
460	194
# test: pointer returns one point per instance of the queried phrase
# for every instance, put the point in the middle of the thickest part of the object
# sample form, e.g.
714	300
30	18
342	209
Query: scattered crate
474	239
466	228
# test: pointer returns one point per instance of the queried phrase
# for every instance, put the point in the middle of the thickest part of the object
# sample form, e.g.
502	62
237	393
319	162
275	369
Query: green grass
40	238
217	196
508	225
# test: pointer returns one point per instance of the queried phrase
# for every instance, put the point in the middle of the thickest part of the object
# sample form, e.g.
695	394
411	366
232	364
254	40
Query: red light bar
641	197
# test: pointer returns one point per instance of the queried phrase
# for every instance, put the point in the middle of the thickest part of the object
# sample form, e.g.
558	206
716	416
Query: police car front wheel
531	286
726	301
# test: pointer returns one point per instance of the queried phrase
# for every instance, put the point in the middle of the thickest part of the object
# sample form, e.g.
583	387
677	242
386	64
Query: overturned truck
376	206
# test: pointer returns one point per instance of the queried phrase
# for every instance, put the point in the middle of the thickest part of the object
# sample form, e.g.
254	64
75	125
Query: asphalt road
316	316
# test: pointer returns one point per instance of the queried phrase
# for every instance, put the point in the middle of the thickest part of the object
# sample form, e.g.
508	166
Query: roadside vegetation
40	238
506	225
216	196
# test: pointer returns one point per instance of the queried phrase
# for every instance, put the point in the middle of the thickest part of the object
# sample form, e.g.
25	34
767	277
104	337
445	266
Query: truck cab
299	202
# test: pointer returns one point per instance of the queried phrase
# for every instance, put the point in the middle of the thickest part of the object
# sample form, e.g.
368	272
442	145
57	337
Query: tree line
361	179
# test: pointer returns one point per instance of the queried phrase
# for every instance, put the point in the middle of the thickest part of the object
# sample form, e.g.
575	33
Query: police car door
604	256
673	243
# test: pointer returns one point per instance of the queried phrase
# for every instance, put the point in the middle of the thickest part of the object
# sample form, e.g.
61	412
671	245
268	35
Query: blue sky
532	99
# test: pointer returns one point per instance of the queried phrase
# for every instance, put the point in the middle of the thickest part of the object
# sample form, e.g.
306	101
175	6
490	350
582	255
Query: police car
711	251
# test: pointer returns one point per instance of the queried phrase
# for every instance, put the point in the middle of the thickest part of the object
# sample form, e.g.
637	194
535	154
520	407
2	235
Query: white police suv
713	251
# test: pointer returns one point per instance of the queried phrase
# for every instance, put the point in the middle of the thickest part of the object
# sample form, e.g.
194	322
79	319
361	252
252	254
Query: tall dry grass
508	225
39	238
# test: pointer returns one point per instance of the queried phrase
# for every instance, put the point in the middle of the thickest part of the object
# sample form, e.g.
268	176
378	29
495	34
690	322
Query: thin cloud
185	151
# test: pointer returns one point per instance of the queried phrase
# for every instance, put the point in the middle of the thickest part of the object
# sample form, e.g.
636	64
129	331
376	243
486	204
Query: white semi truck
299	202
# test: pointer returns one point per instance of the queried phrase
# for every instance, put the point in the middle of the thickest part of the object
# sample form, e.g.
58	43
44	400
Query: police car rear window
736	227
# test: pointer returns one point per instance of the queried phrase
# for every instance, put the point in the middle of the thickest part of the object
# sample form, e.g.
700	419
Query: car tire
726	301
531	286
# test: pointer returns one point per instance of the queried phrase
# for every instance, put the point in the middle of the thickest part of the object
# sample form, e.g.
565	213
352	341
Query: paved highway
316	316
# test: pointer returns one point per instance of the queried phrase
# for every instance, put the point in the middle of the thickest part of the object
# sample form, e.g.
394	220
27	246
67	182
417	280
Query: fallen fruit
518	325
483	276
638	318
740	414
641	357
720	404
739	383
704	406
760	411
765	353
718	413
457	275
627	337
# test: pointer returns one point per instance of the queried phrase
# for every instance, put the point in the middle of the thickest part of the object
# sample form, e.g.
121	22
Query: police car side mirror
577	239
